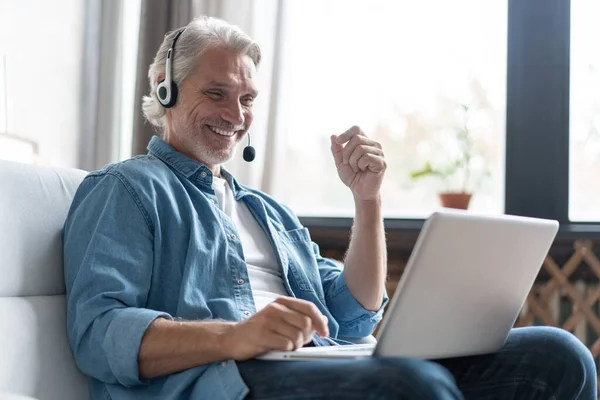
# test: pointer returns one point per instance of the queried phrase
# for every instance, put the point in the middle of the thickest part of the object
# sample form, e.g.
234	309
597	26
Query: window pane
401	71
584	130
17	149
12	148
43	44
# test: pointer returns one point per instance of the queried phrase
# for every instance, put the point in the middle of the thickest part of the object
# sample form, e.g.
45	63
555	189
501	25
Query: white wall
43	43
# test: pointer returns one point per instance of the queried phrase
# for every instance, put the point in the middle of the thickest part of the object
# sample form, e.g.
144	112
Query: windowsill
346	223
413	226
579	230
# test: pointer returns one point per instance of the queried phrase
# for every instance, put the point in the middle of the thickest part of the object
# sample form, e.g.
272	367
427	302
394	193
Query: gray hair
200	34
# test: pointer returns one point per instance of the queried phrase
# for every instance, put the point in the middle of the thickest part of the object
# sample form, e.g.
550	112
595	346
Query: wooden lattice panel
568	303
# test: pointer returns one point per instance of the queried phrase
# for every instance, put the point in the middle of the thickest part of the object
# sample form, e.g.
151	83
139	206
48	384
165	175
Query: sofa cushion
34	202
36	358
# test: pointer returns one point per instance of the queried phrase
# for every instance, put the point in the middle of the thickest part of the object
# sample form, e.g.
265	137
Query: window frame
537	112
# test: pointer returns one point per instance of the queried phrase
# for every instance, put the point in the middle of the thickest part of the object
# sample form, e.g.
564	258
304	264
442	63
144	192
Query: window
12	148
17	149
401	71
42	43
584	171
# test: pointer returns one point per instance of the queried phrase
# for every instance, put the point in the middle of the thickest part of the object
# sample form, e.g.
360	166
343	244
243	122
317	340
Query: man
178	277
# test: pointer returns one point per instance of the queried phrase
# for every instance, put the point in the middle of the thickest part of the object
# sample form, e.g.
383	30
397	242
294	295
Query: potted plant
459	168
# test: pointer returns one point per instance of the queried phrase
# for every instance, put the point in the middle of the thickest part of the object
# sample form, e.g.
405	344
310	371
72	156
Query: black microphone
249	152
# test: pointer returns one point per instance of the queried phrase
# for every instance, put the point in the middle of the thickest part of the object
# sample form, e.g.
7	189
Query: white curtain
101	84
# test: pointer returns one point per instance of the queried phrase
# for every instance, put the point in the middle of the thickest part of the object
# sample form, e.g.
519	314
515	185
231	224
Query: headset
166	91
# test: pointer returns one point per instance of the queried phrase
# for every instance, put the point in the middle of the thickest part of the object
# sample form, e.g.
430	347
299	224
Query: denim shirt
145	238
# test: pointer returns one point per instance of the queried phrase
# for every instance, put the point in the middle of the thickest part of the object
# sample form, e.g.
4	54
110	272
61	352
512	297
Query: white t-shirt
265	278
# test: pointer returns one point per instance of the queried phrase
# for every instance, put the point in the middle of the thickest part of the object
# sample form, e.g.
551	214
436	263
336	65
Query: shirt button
233	237
203	174
224	363
247	313
240	281
212	202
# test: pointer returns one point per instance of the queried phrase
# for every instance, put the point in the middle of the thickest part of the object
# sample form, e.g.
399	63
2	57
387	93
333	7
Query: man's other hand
285	324
360	163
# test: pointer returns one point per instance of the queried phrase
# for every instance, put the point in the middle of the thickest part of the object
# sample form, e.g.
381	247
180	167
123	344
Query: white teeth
222	132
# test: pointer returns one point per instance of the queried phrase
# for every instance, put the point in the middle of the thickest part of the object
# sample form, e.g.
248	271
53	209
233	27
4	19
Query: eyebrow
222	85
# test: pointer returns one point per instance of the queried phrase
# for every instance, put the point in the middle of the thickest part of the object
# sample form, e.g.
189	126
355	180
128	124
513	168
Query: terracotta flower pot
455	200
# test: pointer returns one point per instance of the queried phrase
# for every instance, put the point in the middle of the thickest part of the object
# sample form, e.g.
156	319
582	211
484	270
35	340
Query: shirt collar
187	166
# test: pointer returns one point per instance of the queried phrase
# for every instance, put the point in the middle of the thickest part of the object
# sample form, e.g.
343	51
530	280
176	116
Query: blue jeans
535	363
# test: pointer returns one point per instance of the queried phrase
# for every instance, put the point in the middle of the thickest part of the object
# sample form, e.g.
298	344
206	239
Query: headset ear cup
162	94
173	98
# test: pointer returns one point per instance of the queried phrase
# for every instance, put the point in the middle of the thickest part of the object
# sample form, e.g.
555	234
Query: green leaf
427	170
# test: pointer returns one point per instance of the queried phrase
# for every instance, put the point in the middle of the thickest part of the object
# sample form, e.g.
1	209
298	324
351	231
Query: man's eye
247	101
215	95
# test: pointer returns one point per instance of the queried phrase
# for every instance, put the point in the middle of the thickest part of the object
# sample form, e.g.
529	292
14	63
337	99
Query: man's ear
160	78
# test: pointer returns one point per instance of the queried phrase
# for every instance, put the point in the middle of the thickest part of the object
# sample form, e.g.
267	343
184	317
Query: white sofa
35	358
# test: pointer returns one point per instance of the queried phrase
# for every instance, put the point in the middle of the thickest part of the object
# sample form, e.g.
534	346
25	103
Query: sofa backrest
35	358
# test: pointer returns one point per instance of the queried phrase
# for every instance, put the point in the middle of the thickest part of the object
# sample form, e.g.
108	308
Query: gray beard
210	156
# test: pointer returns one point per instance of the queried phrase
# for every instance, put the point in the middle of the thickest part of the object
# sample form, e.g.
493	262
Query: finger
300	322
276	341
354	143
372	162
319	321
297	322
293	333
336	150
309	315
361	151
349	134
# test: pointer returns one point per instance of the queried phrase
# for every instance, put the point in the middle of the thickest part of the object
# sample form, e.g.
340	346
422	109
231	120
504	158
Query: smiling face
214	108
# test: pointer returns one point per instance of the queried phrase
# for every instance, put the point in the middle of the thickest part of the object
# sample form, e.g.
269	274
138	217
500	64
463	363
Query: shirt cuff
123	339
353	318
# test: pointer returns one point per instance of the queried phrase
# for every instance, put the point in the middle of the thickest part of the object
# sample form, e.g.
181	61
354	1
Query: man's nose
233	113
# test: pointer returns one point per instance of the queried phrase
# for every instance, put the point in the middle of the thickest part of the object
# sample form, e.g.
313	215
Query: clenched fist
360	163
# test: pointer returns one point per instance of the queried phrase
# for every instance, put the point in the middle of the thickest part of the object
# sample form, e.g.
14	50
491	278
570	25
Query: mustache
221	123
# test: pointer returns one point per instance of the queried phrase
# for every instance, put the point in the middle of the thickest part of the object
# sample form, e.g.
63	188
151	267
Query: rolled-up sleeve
108	263
354	320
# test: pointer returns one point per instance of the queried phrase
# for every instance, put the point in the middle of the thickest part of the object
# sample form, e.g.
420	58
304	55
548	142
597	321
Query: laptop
461	292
